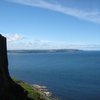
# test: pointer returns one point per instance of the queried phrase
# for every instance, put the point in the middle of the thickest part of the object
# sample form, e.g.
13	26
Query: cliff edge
9	90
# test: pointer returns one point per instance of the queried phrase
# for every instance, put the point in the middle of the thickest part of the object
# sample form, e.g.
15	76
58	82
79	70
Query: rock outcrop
9	90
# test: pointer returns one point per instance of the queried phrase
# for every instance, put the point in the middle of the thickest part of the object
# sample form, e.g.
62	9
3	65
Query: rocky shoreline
44	90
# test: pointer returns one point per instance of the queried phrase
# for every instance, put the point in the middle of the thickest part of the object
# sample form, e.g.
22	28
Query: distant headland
44	51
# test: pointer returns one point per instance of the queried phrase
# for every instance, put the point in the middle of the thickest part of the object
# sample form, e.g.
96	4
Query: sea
68	75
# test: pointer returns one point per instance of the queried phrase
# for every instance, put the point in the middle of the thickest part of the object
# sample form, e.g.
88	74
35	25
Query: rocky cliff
9	90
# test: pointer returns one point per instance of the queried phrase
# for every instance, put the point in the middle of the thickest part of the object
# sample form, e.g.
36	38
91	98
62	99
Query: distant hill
43	51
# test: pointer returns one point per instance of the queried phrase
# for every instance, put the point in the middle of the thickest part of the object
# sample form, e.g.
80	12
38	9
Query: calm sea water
70	76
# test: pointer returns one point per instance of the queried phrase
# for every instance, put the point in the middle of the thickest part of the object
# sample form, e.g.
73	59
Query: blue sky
51	24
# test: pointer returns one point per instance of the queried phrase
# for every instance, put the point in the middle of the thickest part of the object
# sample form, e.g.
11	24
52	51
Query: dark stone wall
9	90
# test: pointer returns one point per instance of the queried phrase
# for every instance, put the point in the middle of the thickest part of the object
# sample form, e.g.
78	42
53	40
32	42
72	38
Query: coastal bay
69	75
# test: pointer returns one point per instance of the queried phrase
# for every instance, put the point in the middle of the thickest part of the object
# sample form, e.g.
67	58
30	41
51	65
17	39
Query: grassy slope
32	92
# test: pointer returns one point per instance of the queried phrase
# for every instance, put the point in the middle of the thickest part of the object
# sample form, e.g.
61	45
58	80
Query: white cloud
93	16
39	44
13	37
84	46
44	44
14	42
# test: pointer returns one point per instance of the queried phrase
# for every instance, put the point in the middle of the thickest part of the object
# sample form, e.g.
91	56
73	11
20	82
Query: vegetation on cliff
32	92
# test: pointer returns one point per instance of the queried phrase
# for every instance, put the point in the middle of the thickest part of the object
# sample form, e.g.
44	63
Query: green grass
32	92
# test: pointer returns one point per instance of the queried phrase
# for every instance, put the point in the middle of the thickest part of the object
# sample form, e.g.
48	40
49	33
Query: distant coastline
44	51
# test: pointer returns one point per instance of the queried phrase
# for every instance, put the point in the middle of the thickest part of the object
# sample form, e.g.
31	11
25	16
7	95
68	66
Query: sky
50	24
